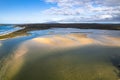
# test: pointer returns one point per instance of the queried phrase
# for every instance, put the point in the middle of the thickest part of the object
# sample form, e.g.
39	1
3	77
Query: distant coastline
25	28
35	26
80	26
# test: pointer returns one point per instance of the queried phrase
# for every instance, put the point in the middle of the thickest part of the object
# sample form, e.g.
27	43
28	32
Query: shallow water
8	29
61	54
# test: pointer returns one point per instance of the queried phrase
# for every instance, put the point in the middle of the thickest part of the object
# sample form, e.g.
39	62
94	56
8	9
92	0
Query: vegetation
81	26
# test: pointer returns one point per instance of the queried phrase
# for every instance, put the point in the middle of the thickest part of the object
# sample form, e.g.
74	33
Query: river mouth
61	54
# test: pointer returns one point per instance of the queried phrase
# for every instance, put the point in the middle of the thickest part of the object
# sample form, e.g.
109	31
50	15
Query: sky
59	11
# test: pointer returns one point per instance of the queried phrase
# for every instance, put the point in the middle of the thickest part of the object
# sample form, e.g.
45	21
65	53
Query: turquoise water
8	29
60	54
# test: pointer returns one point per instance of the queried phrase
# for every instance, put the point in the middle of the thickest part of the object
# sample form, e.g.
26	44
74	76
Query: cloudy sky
62	11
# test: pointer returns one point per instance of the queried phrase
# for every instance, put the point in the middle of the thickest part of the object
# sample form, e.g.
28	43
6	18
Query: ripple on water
68	56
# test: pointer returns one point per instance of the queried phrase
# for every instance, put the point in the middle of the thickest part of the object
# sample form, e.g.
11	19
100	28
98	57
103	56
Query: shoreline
80	26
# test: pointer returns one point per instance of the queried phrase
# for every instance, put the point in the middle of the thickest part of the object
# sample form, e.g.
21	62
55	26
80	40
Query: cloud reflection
12	63
77	39
111	41
68	40
0	44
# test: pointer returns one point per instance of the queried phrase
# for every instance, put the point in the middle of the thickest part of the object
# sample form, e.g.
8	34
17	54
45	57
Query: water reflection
0	44
68	40
12	64
68	56
110	41
83	59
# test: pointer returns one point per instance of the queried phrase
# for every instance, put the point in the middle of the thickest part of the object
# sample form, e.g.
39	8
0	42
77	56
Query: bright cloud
85	9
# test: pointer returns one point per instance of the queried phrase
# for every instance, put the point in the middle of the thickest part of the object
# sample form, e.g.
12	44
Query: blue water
8	29
4	28
60	54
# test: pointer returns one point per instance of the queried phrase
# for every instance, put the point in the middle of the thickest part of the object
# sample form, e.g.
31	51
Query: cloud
85	9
